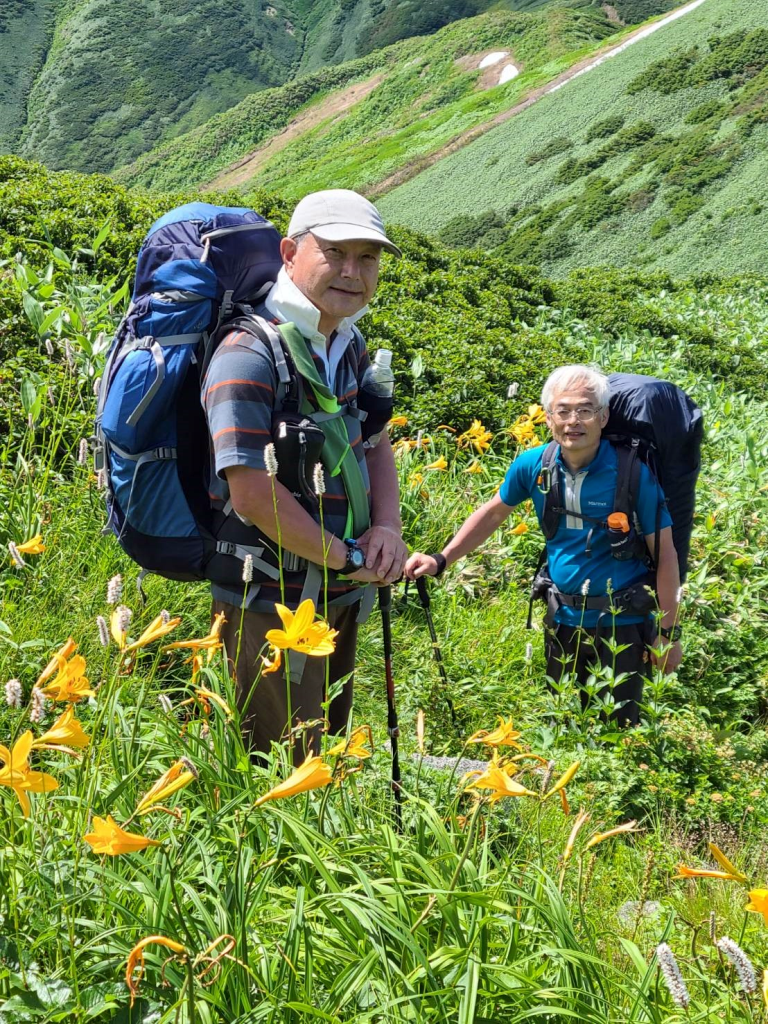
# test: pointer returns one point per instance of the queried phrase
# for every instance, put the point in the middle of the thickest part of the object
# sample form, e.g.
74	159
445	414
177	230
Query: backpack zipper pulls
206	240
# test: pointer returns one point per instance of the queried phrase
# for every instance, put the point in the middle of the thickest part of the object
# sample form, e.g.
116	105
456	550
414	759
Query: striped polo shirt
238	397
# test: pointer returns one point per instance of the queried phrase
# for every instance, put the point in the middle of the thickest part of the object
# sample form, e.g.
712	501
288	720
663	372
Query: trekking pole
424	598
385	605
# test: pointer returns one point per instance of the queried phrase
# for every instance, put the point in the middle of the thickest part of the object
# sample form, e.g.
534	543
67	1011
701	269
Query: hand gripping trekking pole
385	605
421	589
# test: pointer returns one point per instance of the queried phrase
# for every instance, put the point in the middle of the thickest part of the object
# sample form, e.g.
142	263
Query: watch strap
672	633
441	563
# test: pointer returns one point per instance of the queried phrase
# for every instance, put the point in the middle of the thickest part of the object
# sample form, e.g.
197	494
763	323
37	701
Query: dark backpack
197	263
651	421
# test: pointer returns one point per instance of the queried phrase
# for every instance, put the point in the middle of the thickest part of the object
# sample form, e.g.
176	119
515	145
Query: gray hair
566	378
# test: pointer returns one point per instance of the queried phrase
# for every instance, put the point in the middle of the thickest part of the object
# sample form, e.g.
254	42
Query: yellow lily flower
211	643
725	864
564	803
520	529
354	746
301	632
57	661
683	871
119	635
537	415
499	783
136	959
312	774
522	430
179	775
504	735
273	662
564	779
758	903
66	731
156	629
628	826
70	684
107	837
474	467
440	464
33	546
16	773
476	437
399	421
581	819
415	479
210	695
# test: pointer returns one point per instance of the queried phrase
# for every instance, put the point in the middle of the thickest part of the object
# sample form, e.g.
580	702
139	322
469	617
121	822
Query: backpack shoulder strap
549	483
628	478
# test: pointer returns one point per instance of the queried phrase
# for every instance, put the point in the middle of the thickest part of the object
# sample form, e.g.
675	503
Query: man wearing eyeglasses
584	629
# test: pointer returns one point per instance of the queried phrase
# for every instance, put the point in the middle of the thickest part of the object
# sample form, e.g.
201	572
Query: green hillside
91	84
657	157
431	90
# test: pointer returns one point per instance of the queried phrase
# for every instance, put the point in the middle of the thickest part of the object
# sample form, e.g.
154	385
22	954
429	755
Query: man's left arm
383	544
667	593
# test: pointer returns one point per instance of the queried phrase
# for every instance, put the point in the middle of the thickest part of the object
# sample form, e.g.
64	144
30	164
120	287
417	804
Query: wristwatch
355	557
672	633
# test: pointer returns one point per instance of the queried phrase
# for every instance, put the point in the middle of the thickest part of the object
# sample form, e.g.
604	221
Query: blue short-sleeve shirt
590	492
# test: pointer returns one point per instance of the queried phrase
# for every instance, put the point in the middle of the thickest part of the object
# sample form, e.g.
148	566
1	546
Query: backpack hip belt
636	599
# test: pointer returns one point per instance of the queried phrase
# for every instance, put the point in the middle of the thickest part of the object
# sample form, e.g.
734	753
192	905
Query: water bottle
376	396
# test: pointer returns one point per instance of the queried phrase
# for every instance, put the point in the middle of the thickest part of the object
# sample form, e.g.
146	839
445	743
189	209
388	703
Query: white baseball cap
340	215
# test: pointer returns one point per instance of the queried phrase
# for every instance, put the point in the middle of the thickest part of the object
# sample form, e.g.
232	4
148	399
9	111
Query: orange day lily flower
581	819
355	745
537	415
157	628
16	774
476	437
504	735
499	783
66	731
136	959
272	662
520	529
314	773
628	826
564	779
758	903
440	464
726	864
683	871
70	684
33	546
57	662
107	837
399	421
179	775
211	643
301	632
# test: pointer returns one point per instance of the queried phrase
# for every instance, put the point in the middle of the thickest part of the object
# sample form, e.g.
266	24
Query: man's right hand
366	576
420	565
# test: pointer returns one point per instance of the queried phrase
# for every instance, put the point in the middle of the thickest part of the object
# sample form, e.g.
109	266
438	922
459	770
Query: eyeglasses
583	414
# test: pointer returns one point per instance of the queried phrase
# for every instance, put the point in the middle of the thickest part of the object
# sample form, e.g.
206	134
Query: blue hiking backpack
196	264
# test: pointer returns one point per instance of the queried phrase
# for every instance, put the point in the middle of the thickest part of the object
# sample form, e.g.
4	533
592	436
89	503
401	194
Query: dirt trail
421	163
246	167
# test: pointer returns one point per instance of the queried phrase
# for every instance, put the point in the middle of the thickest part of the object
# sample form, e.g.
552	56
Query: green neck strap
337	456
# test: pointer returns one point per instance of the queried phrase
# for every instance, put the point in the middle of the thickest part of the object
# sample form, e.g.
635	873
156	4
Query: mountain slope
431	89
655	157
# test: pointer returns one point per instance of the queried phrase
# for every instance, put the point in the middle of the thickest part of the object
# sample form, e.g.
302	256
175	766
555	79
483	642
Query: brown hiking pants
264	704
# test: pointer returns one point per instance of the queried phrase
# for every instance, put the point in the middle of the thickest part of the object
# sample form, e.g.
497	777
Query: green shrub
603	129
559	144
704	111
660	227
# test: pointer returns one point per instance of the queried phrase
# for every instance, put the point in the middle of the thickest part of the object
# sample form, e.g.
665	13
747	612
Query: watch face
357	558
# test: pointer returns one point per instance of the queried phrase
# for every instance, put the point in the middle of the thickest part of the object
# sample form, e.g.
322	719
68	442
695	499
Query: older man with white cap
330	271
